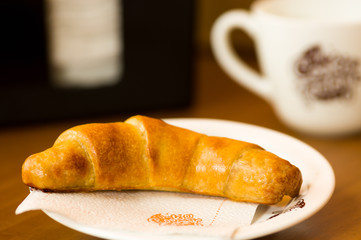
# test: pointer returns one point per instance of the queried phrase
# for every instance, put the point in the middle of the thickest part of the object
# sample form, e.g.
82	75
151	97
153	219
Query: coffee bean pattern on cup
326	77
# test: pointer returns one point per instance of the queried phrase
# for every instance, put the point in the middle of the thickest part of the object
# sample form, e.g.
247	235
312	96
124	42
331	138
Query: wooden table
215	96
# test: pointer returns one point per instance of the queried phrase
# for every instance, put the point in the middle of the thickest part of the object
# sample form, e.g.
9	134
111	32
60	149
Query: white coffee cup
309	52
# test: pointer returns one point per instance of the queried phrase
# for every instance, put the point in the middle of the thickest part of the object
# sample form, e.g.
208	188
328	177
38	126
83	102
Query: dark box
157	56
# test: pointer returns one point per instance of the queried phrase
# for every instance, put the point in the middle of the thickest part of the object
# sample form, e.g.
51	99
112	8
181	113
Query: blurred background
208	11
149	57
62	58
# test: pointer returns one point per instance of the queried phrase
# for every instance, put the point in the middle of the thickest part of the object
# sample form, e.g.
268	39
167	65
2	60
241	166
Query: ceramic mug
309	52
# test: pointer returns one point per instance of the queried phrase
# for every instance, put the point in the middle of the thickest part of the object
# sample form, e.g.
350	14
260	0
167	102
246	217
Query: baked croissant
147	153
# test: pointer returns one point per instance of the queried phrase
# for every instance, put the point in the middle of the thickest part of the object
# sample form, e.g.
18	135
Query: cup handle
227	57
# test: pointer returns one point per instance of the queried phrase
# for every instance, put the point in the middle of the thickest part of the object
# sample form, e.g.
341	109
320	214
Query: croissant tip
28	169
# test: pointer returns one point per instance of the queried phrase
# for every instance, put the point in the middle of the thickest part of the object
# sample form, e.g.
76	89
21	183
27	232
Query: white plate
317	188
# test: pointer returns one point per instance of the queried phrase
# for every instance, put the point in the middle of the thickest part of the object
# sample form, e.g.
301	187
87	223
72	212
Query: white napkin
147	211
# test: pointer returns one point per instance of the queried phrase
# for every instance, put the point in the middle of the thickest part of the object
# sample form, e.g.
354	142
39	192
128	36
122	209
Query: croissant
147	153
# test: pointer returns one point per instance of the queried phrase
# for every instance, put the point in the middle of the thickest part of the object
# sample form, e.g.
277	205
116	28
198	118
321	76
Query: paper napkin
147	211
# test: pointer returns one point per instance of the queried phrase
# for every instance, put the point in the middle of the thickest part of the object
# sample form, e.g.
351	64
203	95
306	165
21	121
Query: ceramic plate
317	188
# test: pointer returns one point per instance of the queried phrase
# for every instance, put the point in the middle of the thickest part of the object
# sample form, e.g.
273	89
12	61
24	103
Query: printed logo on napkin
176	220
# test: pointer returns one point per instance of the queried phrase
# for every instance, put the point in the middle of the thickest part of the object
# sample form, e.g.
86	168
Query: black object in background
157	57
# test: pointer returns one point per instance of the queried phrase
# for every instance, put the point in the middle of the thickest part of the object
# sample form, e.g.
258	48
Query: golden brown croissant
147	153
